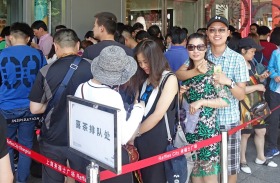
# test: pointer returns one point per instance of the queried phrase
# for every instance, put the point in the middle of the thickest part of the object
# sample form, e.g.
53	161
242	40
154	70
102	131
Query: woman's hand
261	87
264	75
277	79
195	106
183	89
202	67
221	78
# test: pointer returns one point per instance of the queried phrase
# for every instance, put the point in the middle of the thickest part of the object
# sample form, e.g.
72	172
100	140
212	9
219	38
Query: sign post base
93	173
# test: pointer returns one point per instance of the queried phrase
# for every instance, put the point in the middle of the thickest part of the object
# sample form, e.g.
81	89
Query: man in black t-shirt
6	175
104	28
54	134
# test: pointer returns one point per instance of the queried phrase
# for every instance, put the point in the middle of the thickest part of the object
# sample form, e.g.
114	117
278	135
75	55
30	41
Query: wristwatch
232	85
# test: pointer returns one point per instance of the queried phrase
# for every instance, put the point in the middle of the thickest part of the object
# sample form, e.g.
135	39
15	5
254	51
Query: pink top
45	43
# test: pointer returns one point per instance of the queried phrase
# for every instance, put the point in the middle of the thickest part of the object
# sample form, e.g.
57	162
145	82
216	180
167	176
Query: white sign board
93	131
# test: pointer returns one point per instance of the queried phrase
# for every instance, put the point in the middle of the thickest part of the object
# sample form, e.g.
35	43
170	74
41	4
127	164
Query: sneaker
266	163
245	168
271	153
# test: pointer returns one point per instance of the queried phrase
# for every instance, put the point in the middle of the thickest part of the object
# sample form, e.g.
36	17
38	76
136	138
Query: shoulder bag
55	99
259	110
177	169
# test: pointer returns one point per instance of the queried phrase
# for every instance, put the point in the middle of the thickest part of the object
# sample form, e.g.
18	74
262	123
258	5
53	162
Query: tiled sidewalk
260	173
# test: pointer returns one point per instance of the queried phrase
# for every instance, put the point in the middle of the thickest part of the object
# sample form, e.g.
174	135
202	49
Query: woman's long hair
156	60
196	36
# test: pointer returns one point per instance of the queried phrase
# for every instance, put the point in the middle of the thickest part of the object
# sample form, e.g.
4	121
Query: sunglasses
221	31
199	47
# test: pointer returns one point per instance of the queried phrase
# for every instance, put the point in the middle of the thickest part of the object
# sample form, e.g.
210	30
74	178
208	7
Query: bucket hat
113	66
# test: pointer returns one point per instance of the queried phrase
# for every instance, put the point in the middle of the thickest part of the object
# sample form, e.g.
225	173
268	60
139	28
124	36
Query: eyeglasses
200	47
221	31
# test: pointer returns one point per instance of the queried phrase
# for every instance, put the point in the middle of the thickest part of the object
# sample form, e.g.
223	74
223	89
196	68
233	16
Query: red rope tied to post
129	167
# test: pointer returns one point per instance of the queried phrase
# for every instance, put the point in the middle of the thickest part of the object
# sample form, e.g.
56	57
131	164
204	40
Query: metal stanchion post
224	155
93	173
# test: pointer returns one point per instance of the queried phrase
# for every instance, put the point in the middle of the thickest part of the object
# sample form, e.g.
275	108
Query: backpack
259	65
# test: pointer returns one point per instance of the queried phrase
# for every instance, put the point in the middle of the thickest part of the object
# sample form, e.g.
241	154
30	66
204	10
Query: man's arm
37	108
6	175
238	91
183	74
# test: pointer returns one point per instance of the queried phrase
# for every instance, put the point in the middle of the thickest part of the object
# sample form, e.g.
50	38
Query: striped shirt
235	68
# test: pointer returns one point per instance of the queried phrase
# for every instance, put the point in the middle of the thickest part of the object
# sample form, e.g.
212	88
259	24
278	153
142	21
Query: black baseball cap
249	42
218	18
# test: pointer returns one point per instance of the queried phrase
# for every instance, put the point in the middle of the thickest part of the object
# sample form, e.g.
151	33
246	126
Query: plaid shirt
234	66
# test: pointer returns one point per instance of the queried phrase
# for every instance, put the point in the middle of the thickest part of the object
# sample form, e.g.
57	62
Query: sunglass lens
190	47
201	47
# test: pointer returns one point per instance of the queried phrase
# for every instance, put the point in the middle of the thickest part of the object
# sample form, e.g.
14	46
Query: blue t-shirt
19	66
176	57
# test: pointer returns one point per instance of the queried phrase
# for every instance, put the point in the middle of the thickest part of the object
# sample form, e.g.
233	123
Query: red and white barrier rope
48	162
129	167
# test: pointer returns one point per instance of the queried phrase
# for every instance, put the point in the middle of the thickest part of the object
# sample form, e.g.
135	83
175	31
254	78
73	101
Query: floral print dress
202	87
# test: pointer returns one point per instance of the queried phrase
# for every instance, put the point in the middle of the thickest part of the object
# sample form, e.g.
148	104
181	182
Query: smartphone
217	69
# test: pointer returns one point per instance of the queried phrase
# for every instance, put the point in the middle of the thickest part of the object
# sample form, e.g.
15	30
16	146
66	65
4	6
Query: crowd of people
214	73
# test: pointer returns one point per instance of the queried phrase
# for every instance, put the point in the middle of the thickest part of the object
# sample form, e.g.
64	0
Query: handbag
176	168
260	109
180	168
132	152
180	141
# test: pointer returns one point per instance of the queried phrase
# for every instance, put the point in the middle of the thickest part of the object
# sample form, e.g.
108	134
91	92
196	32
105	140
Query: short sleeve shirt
234	66
46	83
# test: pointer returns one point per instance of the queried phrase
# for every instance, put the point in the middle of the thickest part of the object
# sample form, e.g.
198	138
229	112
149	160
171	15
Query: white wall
80	13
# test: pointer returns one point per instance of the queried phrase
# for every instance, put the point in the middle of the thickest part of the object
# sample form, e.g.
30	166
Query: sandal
245	168
266	163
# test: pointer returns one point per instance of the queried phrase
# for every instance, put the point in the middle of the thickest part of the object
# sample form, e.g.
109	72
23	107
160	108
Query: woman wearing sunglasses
205	96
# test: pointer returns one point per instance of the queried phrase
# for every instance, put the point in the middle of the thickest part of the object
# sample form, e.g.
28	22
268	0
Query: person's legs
25	138
259	142
243	162
6	175
232	178
57	154
11	134
273	124
244	140
76	162
233	153
211	179
197	179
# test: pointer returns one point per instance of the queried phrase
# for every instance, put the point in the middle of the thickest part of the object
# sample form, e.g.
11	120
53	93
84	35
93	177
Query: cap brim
216	20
